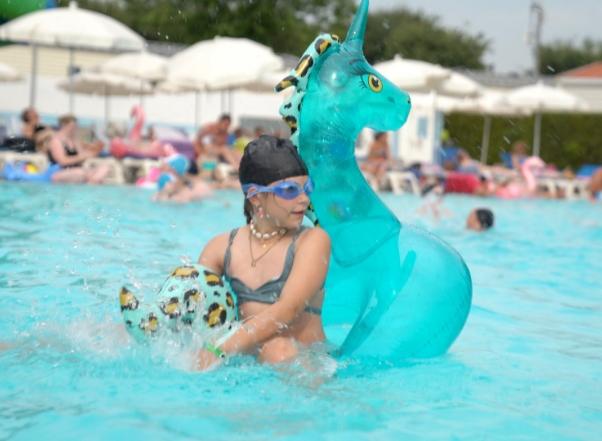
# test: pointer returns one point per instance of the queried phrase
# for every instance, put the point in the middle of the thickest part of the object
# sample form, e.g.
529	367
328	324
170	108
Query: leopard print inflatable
192	296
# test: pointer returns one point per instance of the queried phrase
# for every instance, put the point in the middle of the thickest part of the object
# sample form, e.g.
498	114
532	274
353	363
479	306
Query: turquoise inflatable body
392	291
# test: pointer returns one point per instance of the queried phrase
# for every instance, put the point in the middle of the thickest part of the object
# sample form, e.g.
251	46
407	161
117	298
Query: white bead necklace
265	236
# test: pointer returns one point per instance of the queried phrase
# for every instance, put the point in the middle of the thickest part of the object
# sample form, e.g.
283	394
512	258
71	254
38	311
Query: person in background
466	164
595	184
241	139
519	154
27	140
175	186
379	156
69	152
259	131
31	124
211	141
480	219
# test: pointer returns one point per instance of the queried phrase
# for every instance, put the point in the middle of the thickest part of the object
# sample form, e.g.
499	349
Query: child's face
284	213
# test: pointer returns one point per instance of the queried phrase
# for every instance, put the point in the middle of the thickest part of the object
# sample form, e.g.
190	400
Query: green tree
415	35
561	56
285	25
289	25
567	140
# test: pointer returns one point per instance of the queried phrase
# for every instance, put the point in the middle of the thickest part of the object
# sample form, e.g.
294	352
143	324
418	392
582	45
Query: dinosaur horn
358	26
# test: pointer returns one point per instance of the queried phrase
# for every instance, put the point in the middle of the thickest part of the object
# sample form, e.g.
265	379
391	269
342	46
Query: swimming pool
527	366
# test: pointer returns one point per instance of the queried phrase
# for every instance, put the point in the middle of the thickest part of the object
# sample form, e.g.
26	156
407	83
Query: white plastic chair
403	182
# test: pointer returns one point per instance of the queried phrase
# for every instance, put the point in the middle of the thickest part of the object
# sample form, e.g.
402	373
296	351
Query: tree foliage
561	56
417	36
284	25
288	26
566	140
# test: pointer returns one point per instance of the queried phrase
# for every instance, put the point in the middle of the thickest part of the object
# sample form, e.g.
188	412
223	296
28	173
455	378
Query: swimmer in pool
480	219
276	266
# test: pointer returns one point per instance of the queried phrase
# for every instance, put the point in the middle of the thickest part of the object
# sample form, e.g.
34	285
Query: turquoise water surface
528	365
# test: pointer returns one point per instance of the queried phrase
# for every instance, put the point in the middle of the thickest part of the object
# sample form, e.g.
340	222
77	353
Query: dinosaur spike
358	26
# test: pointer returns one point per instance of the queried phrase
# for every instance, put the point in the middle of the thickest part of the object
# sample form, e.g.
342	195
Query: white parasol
71	28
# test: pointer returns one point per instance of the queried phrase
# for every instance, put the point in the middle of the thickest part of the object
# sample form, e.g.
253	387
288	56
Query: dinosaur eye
376	85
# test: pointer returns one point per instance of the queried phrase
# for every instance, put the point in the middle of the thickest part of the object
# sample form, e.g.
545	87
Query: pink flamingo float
133	145
525	187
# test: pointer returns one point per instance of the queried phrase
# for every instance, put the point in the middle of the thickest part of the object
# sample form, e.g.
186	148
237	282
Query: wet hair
225	116
378	135
268	159
485	217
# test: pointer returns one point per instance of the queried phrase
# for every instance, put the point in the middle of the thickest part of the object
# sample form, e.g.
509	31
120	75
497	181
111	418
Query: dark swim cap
268	159
485	217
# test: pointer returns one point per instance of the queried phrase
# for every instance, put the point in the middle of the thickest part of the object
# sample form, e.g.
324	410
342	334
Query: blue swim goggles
288	190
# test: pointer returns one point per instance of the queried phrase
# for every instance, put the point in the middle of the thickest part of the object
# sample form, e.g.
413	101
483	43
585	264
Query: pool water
527	366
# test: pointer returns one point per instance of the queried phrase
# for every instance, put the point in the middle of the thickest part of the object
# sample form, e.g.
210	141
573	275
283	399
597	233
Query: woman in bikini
67	151
276	266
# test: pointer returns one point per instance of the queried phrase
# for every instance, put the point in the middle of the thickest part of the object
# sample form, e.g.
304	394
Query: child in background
173	184
480	219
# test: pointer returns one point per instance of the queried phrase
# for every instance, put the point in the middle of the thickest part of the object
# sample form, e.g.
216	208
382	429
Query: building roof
592	70
496	80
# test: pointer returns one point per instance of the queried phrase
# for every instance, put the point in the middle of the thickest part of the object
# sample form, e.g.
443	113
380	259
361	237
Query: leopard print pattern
298	77
192	296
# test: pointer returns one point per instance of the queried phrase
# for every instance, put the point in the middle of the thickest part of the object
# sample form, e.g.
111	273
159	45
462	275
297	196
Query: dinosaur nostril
391	99
409	100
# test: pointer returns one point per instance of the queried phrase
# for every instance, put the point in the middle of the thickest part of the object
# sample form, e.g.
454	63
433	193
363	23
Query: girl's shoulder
214	251
222	240
313	236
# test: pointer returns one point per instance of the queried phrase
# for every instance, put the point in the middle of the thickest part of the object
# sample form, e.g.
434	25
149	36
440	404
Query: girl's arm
212	256
305	280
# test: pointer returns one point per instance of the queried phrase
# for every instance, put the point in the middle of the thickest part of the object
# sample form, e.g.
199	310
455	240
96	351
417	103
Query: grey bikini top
270	291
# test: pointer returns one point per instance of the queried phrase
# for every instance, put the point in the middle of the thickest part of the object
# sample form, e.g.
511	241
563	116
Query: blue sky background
505	23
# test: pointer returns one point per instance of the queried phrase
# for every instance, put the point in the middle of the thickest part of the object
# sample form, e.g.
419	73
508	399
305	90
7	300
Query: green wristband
215	350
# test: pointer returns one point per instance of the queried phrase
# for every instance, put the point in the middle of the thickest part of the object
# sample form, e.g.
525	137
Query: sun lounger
115	176
39	160
569	188
137	168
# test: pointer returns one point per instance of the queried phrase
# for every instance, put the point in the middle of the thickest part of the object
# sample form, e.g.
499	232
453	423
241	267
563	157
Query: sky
505	24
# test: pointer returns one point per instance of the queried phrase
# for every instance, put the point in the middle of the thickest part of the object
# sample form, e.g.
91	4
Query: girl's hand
207	360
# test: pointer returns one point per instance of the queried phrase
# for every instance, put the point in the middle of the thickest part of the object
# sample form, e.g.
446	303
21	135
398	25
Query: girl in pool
276	266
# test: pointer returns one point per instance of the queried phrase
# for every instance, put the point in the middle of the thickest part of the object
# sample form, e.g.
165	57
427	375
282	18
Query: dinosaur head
336	81
358	88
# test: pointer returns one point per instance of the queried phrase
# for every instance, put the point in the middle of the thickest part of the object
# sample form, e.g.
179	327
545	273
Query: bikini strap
227	254
290	254
296	236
